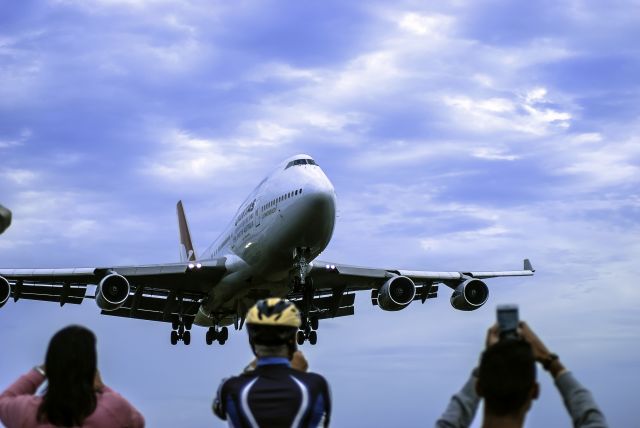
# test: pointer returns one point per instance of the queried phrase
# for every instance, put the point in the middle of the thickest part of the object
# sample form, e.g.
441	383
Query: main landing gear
213	334
181	330
308	331
304	285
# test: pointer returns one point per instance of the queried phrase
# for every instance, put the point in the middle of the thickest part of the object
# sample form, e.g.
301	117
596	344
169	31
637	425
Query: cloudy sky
459	136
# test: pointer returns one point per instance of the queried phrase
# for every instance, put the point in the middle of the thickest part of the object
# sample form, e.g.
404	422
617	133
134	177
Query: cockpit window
301	162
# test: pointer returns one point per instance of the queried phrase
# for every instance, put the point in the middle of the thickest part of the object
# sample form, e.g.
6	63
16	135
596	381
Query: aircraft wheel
175	323
221	342
186	337
314	323
300	337
174	337
313	337
188	324
209	336
224	334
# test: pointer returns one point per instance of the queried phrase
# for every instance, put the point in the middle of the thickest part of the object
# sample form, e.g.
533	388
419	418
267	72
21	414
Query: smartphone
507	316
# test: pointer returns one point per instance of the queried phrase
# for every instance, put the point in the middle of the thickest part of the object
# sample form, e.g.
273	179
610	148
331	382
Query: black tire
186	337
300	337
221	342
314	323
175	323
313	337
208	337
188	323
224	334
174	337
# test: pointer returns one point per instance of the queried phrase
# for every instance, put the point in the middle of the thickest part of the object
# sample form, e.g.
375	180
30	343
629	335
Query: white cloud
279	70
536	94
526	115
20	177
443	241
425	25
183	158
493	153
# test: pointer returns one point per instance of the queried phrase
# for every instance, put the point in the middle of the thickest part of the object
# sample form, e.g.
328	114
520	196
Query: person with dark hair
75	395
274	394
506	380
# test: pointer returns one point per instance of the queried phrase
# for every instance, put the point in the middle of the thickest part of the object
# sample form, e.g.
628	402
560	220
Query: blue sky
460	135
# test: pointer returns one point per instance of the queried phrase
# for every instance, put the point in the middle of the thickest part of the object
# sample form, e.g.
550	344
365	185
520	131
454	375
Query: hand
299	362
540	351
493	335
97	381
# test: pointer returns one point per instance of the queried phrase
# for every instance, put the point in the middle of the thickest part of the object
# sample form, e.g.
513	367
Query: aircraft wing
334	286
155	291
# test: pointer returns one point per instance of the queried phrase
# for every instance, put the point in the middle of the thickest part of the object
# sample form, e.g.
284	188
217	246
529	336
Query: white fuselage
293	207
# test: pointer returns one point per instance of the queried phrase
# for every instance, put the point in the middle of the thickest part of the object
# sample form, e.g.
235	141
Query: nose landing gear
304	285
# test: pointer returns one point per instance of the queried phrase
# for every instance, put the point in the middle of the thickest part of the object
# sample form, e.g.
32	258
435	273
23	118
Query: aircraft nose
320	200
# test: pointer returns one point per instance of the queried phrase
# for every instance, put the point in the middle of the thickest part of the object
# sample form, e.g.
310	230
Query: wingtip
528	265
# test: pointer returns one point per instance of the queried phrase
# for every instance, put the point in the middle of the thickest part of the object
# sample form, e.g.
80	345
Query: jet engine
470	295
396	293
112	292
5	291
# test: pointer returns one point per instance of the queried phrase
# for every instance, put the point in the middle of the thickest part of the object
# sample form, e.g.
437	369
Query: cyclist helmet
273	321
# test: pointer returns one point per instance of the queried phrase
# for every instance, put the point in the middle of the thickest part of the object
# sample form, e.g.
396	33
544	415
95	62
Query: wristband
546	363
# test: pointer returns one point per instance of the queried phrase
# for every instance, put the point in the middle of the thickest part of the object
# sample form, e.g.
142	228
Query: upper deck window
301	162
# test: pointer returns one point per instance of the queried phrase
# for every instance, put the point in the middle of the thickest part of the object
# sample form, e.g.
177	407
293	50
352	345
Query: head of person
272	325
507	378
70	365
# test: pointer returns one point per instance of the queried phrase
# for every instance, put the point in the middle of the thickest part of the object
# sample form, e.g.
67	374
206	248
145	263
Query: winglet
187	253
528	266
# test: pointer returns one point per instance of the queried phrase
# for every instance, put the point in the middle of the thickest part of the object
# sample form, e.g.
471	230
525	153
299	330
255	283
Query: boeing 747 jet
268	249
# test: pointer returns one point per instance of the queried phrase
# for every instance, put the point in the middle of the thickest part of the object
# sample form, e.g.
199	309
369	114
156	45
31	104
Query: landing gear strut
181	330
213	334
305	286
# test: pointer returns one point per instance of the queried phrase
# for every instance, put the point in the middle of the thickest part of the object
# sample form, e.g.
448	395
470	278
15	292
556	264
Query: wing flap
62	294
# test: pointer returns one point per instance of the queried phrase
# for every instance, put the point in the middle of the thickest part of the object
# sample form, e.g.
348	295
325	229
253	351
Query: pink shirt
19	407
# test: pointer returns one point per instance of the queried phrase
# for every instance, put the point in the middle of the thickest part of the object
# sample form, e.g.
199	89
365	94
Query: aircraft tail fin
187	253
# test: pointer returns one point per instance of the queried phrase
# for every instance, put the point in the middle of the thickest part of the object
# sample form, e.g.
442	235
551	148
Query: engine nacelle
470	295
112	292
5	291
396	293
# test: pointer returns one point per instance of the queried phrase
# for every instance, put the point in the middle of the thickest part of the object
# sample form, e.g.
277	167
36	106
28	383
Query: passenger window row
281	198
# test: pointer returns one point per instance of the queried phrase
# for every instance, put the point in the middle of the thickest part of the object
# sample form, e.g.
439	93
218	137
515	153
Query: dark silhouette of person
278	392
506	380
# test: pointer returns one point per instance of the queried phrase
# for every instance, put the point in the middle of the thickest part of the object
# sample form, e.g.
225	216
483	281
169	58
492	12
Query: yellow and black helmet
274	312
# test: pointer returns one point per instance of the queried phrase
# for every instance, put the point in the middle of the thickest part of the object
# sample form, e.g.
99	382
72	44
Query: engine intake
5	291
396	293
470	295
113	291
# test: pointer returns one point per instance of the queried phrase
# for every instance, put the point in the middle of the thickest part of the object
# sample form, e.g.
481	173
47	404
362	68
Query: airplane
269	249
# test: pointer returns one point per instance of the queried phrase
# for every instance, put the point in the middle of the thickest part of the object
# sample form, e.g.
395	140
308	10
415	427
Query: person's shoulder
114	405
238	381
310	378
